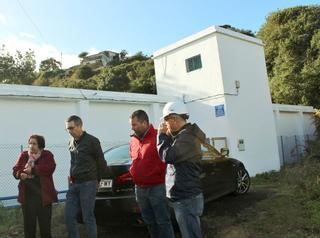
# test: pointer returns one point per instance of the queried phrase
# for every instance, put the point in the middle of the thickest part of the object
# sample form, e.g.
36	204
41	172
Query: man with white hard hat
179	145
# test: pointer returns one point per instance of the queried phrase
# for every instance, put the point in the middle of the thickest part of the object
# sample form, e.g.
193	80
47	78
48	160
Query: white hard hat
175	108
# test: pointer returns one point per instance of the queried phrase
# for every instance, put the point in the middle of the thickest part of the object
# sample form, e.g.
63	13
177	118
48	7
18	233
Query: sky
64	29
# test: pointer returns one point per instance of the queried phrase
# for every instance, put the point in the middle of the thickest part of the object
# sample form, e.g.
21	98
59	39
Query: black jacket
87	159
182	153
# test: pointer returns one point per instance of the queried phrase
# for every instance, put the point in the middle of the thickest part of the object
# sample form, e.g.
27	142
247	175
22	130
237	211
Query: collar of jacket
180	130
81	137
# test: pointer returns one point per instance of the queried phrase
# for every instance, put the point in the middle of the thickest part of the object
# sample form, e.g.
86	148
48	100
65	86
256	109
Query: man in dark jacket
148	173
87	167
179	145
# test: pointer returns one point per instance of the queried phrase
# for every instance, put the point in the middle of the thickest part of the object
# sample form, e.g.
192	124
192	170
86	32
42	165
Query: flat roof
28	91
208	31
293	108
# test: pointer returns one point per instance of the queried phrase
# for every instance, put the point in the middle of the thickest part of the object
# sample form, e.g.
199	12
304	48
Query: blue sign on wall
219	109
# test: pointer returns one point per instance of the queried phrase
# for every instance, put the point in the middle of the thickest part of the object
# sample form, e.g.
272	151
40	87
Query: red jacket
44	168
147	169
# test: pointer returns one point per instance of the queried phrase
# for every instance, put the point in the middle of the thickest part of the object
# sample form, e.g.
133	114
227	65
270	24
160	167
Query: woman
34	169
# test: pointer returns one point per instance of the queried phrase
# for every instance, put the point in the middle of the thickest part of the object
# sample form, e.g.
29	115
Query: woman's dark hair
40	141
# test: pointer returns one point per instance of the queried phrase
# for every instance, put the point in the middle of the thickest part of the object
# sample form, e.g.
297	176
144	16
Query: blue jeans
155	211
188	212
81	197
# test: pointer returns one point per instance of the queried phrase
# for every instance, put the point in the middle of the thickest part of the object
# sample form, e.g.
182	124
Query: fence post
21	148
282	152
297	149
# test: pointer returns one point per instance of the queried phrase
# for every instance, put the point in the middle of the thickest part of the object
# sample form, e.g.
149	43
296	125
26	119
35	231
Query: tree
142	78
49	65
82	55
123	54
115	78
17	69
292	52
311	73
83	72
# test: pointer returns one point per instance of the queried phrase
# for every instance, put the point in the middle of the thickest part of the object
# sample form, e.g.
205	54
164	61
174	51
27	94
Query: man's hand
23	176
163	128
27	170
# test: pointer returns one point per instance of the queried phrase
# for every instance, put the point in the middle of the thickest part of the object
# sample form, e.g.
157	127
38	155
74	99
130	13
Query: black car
115	199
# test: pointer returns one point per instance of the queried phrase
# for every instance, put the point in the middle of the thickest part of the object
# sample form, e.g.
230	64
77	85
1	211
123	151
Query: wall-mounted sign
219	110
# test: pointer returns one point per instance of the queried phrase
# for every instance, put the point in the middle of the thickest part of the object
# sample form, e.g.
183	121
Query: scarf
32	159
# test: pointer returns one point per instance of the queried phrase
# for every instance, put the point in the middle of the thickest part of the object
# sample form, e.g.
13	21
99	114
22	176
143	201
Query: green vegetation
18	68
292	48
124	74
243	31
10	221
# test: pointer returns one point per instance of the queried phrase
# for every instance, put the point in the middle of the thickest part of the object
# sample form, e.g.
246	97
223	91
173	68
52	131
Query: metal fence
9	155
292	148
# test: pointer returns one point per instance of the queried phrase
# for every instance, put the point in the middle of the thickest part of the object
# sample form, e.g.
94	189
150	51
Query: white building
100	59
221	75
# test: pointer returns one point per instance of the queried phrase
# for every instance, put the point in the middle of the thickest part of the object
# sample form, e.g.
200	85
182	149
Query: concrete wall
293	120
27	110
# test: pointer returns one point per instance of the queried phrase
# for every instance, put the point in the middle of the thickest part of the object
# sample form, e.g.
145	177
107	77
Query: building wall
173	79
249	114
293	120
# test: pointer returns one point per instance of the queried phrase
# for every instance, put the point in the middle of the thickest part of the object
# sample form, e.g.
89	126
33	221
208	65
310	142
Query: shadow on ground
226	210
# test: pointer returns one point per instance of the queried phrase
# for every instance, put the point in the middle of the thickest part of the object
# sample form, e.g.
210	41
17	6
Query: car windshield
118	155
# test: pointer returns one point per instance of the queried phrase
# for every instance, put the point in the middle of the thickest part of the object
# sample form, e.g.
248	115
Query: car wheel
243	181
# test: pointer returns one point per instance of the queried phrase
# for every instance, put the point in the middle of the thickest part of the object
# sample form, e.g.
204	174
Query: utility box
241	145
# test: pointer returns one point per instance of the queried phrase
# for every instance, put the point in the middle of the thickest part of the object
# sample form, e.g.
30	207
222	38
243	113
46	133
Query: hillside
133	74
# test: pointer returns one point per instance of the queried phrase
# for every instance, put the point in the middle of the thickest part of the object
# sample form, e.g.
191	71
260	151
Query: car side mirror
224	151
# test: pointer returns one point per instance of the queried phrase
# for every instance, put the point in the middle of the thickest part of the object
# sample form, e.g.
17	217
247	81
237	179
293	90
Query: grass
10	220
283	204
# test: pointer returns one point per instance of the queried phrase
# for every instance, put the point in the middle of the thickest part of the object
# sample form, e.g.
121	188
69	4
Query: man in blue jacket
179	145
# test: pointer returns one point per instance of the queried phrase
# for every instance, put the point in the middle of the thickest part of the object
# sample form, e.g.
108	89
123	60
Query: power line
32	22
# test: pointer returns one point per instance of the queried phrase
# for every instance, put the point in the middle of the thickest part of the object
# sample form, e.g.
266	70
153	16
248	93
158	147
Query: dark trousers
33	211
81	196
155	211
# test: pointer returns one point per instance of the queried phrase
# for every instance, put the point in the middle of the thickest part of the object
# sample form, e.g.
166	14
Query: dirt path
218	217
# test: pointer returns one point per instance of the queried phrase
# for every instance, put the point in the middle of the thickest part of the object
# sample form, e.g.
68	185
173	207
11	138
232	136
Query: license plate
105	183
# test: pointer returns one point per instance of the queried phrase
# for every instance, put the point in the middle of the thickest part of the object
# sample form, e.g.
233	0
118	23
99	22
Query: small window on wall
193	63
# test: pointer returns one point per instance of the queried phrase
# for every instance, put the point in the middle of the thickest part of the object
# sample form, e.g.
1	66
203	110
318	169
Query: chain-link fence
292	148
9	155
